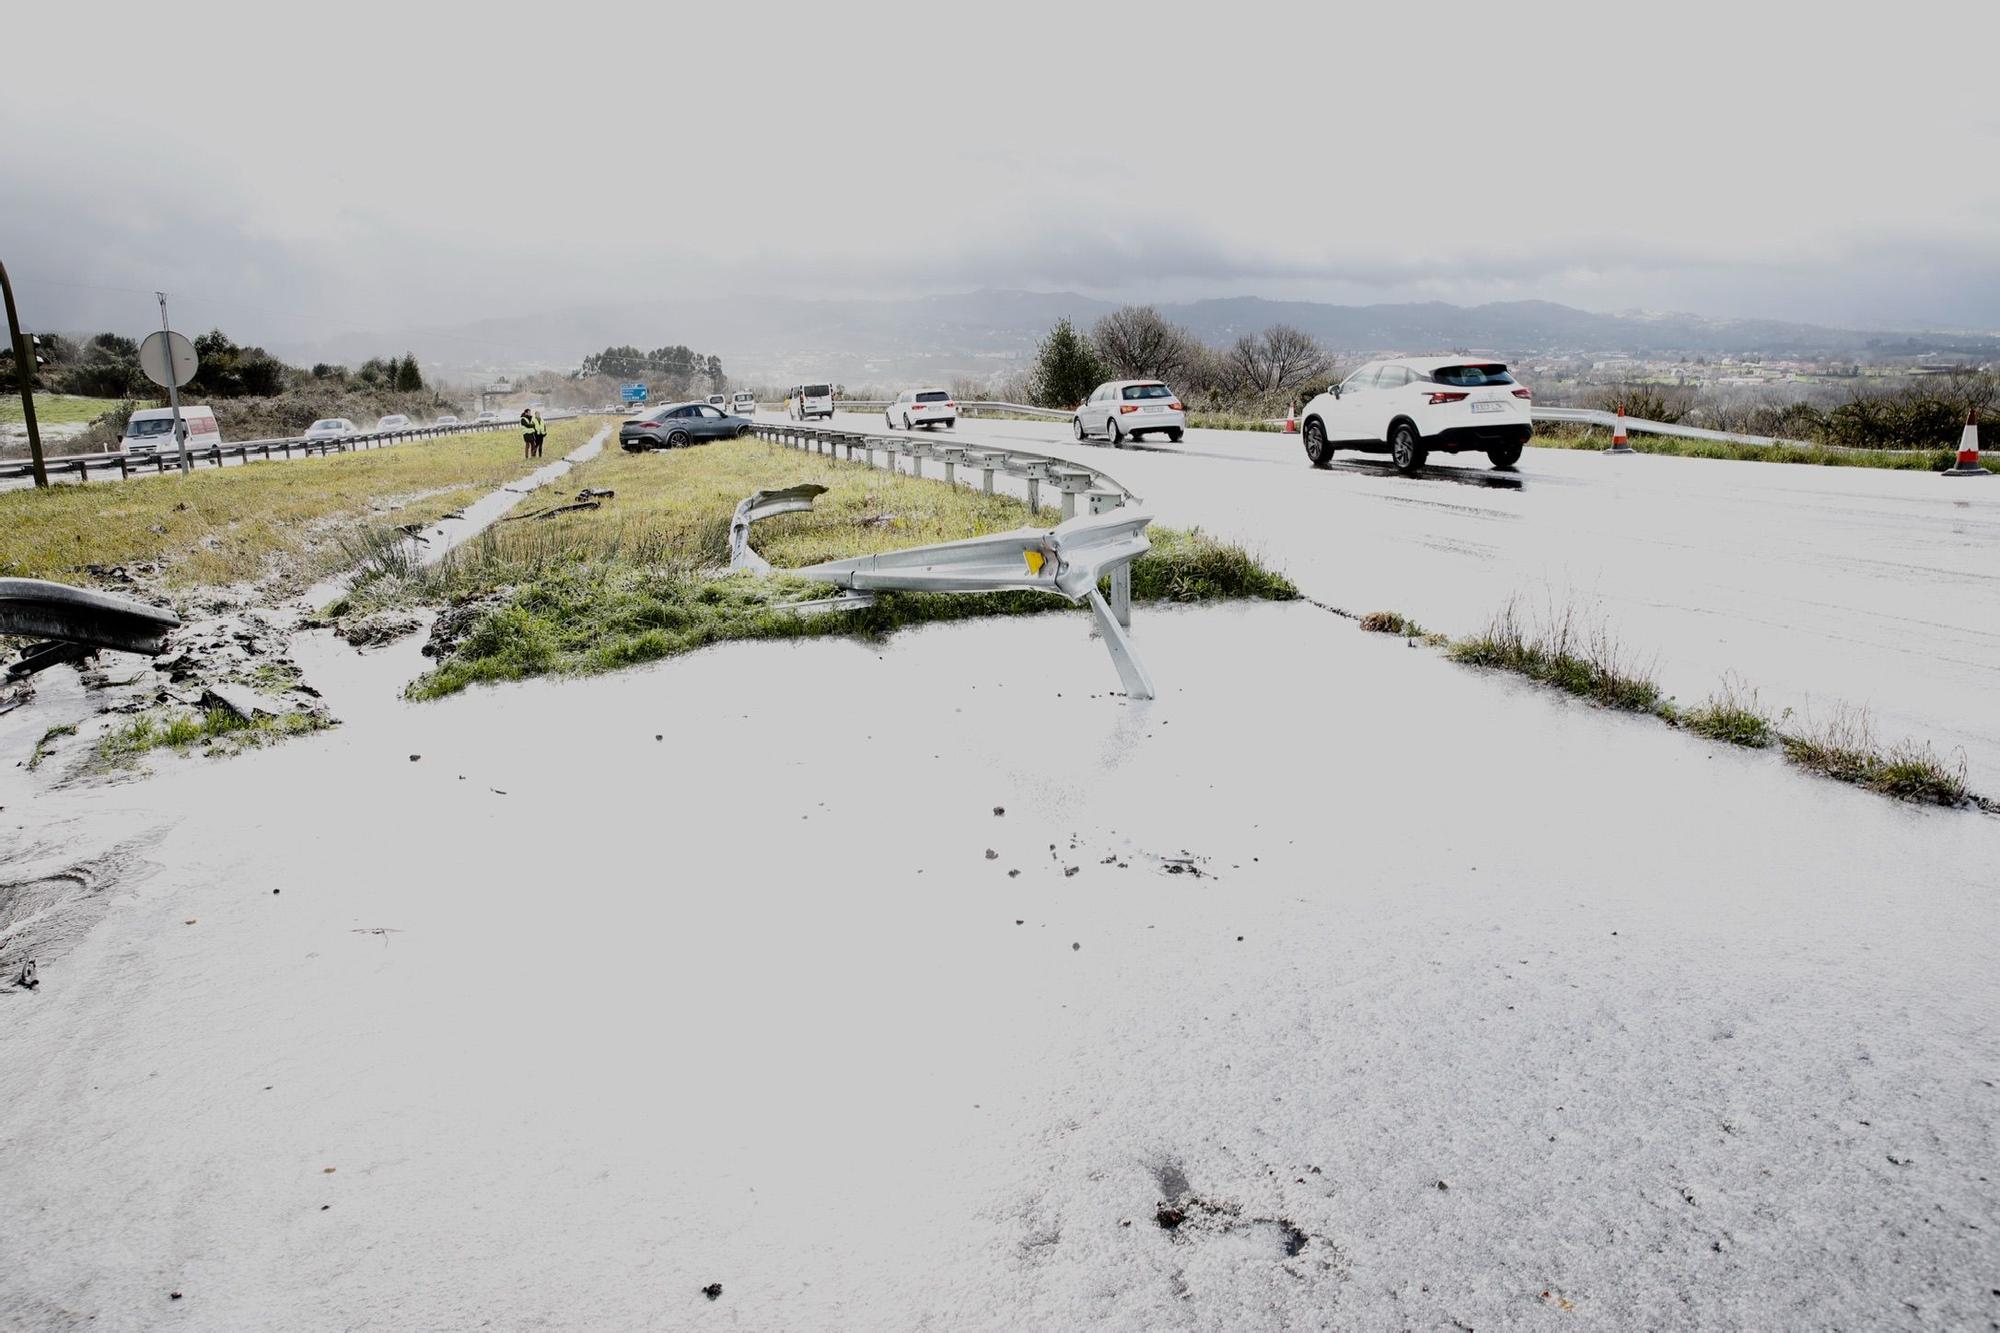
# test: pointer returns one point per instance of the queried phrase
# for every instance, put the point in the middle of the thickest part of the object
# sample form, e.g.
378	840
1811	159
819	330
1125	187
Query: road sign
632	393
168	359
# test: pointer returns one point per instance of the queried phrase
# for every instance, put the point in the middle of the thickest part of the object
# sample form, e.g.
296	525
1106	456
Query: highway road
1816	586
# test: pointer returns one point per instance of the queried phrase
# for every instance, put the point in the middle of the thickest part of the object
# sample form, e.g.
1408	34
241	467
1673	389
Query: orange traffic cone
1291	418
1618	444
1968	449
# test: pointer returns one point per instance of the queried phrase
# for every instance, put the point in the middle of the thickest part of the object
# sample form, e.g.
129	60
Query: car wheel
741	431
678	440
1076	424
1319	449
1407	448
1174	437
888	421
1505	456
906	421
1114	432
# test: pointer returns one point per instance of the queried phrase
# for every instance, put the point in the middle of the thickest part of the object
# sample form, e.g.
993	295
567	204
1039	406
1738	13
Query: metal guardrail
1070	478
160	460
964	405
1590	416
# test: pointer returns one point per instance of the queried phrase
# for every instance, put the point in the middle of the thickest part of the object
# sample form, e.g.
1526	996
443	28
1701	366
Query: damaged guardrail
78	620
762	505
1068	559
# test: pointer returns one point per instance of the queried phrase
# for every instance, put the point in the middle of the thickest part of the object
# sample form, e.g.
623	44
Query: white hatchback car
922	407
1413	407
446	420
1126	409
394	421
742	404
329	428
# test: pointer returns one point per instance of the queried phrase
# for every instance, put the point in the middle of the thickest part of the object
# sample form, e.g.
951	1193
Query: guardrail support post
1034	494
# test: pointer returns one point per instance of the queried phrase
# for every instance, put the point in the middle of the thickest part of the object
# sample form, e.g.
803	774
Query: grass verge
58	409
634	581
1559	435
1395	622
276	522
1731	715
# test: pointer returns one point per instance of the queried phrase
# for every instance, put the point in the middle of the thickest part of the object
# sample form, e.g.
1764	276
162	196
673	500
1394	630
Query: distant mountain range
977	333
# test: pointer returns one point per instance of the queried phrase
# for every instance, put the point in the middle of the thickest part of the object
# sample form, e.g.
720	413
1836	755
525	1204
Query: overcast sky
301	172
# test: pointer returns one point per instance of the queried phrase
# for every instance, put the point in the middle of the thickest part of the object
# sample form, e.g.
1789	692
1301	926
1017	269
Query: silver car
1127	409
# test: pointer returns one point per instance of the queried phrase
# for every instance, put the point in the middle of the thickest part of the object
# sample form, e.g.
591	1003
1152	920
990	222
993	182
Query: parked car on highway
675	425
922	407
394	421
152	429
743	404
446	420
1412	407
486	416
1126	409
331	428
807	401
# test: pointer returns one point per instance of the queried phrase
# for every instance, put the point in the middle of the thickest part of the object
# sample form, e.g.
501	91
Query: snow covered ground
1383	994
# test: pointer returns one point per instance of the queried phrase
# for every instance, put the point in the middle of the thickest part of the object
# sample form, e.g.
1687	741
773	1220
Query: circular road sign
168	359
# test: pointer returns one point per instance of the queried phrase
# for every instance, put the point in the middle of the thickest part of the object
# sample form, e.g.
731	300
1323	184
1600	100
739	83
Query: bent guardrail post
80	615
1103	502
1067	559
760	505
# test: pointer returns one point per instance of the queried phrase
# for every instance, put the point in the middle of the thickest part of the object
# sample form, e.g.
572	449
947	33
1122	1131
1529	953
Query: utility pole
174	394
24	378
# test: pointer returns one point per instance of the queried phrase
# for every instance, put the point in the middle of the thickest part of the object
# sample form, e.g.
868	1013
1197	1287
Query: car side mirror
1333	389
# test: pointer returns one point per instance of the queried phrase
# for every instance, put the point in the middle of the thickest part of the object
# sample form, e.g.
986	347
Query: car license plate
1487	407
1156	409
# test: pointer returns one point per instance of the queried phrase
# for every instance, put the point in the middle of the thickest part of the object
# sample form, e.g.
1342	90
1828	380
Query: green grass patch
1842	746
217	729
1556	435
1564	649
278	522
58	409
1730	715
635	581
43	746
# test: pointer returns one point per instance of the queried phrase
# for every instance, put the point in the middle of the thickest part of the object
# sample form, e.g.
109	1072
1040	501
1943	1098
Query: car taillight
1523	393
1123	408
952	406
1437	398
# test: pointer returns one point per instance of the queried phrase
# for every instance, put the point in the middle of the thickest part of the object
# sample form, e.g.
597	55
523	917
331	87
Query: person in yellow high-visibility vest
534	432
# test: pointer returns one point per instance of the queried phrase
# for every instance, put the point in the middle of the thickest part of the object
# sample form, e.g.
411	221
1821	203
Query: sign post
169	361
24	378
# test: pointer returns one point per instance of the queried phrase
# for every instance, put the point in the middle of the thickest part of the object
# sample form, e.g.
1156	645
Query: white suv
1127	409
1413	407
921	407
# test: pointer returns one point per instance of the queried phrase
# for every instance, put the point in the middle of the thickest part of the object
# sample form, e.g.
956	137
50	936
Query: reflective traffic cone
1968	449
1618	444
1291	418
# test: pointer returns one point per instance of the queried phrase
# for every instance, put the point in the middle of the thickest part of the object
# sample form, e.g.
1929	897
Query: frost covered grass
1565	648
223	526
1842	746
636	580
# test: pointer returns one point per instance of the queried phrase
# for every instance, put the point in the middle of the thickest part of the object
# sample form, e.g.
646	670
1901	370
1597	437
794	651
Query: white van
152	430
809	401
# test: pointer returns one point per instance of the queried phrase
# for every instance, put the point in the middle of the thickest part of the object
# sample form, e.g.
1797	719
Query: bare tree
1136	343
1277	362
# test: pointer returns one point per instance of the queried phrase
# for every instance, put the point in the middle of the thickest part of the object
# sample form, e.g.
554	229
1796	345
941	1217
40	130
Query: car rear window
1147	391
817	390
933	396
1472	376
